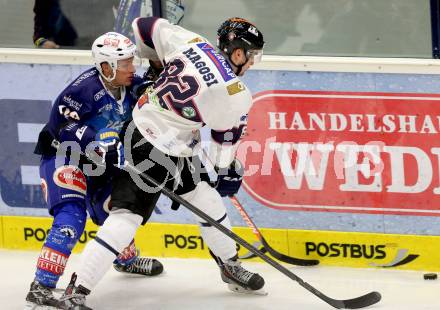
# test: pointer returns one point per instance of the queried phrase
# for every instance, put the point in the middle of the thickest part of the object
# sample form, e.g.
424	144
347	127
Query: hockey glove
153	71
110	148
229	179
149	77
139	89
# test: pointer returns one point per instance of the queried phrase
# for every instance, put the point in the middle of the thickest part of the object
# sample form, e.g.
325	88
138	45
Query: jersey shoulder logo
218	60
195	40
235	88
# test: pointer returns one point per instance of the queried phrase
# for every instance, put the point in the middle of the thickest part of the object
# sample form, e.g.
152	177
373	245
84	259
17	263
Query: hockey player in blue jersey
199	86
91	111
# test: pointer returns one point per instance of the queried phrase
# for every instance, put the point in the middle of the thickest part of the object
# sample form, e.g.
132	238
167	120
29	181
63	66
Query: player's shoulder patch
195	40
218	60
235	88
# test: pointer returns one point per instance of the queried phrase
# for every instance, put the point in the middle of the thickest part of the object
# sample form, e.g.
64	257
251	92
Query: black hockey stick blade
362	301
288	259
282	257
355	303
264	247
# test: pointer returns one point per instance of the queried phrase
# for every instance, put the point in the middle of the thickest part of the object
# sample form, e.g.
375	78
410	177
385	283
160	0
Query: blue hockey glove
110	148
229	179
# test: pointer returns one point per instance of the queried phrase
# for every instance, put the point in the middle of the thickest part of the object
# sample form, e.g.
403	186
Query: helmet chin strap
111	78
108	83
238	67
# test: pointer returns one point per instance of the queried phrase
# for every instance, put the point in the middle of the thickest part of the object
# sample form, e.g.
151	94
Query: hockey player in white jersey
199	86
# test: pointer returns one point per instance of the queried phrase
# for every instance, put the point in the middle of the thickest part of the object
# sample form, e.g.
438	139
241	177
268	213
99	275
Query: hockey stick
270	250
354	303
258	234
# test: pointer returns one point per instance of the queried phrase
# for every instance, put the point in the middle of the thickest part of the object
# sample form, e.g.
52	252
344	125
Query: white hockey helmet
111	47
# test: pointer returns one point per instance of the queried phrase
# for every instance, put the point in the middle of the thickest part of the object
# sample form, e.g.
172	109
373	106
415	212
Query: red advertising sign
344	152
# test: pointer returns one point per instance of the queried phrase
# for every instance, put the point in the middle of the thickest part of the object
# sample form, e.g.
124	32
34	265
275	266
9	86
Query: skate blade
32	306
238	289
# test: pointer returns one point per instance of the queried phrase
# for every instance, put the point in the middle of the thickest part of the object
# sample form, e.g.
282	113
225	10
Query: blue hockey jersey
85	106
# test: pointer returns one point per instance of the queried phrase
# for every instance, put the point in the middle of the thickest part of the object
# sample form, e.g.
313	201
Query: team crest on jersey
219	61
188	112
70	177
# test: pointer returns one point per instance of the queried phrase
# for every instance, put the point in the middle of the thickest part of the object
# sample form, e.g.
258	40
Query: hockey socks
67	228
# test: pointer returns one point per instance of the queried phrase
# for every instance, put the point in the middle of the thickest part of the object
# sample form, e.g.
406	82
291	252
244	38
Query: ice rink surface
196	284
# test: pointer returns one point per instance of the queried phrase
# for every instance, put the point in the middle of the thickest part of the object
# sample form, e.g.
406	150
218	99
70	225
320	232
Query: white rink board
35	77
195	284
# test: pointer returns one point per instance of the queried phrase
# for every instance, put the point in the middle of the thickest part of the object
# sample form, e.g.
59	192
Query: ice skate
240	280
141	265
40	297
74	298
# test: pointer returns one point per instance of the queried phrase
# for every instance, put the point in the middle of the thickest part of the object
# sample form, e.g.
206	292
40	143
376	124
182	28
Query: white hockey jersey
197	87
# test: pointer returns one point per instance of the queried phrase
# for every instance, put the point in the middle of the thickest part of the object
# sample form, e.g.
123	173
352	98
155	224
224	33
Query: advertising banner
344	152
331	248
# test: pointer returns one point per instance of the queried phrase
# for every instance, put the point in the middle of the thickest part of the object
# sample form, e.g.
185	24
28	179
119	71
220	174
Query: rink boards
331	106
387	216
350	249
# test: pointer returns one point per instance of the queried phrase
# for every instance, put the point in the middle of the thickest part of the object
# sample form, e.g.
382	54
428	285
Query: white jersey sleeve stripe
145	28
143	38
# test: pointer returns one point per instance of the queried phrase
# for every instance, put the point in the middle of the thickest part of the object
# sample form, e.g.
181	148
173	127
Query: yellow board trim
2	235
349	249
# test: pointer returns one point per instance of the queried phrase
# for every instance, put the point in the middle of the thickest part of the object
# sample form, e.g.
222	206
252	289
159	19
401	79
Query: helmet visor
256	55
129	64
